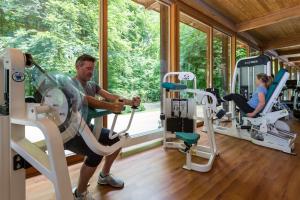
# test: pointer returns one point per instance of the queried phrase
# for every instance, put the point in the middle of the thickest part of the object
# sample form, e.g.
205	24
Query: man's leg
88	168
87	172
104	177
85	175
109	161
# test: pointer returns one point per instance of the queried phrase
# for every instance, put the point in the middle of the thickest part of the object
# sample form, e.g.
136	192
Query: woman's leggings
240	101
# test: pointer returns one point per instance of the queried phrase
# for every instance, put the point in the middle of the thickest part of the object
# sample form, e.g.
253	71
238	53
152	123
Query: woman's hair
270	81
267	80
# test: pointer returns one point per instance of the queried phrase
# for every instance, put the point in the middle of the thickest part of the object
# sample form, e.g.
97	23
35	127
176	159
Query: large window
134	61
241	50
194	51
221	62
54	32
193	48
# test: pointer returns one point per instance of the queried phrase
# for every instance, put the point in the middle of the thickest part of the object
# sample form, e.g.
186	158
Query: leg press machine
267	129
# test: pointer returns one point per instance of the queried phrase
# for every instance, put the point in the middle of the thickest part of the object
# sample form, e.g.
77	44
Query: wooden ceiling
148	4
240	11
274	25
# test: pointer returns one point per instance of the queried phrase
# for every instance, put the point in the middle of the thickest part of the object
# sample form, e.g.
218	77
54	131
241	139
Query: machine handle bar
113	135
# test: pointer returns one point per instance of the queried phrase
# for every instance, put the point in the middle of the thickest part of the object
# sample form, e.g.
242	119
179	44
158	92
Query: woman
258	99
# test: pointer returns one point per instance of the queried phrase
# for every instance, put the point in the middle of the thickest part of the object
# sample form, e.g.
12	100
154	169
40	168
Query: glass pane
193	51
241	50
54	32
134	61
221	56
193	48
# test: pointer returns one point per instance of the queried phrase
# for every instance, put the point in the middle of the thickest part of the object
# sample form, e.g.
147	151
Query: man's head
85	65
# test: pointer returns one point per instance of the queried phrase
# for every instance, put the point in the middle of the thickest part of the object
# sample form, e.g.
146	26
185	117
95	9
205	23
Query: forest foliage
56	32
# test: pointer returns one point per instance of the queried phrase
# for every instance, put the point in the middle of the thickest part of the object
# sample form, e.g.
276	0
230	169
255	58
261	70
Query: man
85	65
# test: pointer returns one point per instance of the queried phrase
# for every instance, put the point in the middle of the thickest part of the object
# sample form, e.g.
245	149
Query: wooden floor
242	171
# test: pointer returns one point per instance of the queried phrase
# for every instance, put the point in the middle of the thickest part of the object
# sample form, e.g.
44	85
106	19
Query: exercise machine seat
188	138
95	113
275	83
173	86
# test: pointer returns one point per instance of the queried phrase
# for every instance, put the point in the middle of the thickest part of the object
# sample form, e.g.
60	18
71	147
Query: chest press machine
59	116
267	129
180	119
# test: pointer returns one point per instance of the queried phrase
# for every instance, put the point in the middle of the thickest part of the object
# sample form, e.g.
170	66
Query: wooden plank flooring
242	171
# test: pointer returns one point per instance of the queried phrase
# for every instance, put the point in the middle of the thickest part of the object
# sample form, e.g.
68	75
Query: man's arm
95	103
113	98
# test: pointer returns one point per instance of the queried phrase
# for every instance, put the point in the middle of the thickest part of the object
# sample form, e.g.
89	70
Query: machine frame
209	151
16	150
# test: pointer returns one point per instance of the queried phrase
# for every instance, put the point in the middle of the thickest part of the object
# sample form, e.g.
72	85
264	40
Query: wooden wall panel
164	45
103	31
233	54
174	38
210	63
276	66
103	48
226	61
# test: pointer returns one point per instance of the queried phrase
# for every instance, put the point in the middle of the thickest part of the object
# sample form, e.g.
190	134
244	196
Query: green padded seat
95	113
189	138
173	86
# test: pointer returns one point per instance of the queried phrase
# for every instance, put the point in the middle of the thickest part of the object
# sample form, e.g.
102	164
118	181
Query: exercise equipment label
18	76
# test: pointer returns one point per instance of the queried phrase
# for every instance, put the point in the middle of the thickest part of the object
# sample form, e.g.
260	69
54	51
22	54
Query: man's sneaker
83	196
110	180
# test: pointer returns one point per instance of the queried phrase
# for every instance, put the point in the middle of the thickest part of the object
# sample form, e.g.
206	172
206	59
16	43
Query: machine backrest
275	83
275	89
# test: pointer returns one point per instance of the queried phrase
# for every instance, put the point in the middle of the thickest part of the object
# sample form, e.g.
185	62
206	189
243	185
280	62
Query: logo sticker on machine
18	76
184	76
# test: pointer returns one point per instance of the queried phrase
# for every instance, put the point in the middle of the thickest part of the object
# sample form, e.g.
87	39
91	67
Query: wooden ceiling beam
202	17
294	59
272	18
278	43
274	54
282	52
251	41
150	4
297	65
193	23
165	2
211	12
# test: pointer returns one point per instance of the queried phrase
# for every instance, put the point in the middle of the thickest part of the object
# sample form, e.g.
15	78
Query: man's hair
84	57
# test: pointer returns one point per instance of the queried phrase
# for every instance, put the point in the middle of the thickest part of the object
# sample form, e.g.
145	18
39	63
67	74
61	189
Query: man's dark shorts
78	146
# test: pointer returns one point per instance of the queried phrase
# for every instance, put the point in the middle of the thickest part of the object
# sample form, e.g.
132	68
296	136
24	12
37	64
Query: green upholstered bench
173	86
188	138
95	113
